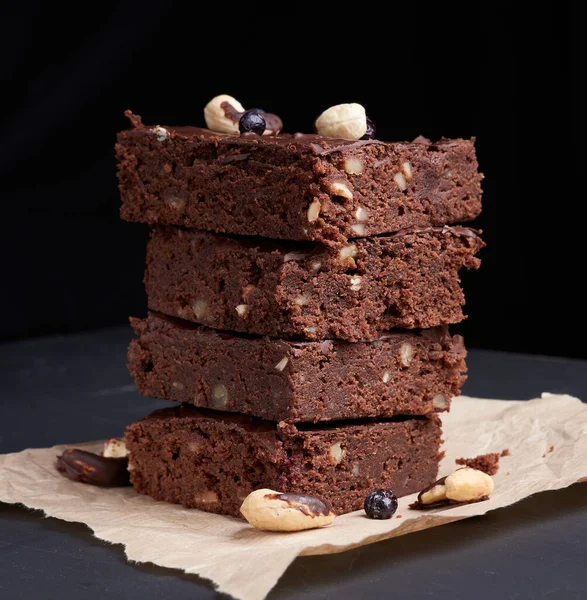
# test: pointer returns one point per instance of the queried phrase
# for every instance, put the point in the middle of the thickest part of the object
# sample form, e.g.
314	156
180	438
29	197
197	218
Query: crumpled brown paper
547	439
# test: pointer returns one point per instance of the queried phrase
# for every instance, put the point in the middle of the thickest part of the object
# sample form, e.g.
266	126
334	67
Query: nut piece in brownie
310	291
300	187
402	373
212	460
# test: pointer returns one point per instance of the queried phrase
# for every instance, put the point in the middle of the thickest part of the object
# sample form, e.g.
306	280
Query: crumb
488	463
505	452
399	516
551	448
508	473
544	455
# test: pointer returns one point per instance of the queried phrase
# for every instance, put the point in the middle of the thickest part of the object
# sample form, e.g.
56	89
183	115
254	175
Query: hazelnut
406	169
242	310
273	511
160	132
358	229
352	165
282	364
439	402
115	448
356	283
220	395
401	181
338	188
406	353
222	114
315	266
344	121
361	214
386	377
314	211
336	454
301	300
348	252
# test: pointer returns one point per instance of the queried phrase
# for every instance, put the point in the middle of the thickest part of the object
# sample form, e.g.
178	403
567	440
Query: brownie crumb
399	516
551	448
506	452
488	463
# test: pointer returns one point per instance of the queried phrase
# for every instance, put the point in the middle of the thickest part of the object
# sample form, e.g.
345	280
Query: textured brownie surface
265	186
403	373
311	291
211	460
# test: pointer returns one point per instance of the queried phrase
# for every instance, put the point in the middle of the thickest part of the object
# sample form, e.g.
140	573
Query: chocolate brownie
402	373
213	460
299	187
311	291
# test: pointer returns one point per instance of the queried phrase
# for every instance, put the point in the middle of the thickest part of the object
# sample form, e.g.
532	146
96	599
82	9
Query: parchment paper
547	438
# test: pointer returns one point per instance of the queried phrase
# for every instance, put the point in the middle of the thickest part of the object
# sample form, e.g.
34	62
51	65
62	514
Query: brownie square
310	291
299	187
401	373
212	461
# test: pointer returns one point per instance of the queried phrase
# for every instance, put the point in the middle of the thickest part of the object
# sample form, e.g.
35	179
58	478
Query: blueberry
252	121
370	133
381	504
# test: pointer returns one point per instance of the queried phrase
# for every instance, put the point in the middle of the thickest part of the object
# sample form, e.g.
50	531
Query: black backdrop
69	264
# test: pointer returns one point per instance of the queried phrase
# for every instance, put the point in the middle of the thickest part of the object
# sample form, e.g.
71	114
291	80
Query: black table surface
76	388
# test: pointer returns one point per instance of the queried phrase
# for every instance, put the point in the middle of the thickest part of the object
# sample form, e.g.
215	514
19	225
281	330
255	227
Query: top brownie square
297	187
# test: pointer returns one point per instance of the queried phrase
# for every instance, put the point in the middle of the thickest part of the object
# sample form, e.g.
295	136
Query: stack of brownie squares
300	289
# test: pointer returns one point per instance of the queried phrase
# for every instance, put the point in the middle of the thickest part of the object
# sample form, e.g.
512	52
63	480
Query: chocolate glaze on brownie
311	291
212	460
266	185
402	373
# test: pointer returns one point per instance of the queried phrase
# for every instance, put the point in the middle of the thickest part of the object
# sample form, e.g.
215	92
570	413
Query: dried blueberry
381	504
252	121
370	133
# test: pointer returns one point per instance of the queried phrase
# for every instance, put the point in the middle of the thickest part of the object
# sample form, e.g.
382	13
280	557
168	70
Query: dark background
474	70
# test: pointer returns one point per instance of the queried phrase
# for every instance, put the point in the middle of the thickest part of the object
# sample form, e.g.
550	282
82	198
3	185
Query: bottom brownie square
213	460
